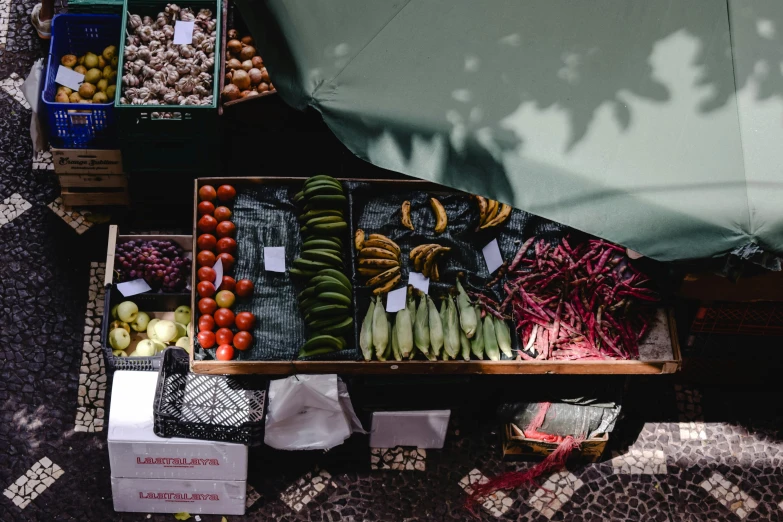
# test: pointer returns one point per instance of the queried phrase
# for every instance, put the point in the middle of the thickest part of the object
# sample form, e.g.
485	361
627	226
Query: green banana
338	328
322	341
308	264
325	310
330	201
333	286
320	177
329	228
307	292
323	220
436	327
365	335
334	297
319	278
323	256
328	322
299	196
301	273
477	343
322	189
336	274
324	212
326	244
490	340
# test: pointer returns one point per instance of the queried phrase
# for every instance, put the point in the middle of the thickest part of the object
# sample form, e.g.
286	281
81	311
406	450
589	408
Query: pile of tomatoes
216	240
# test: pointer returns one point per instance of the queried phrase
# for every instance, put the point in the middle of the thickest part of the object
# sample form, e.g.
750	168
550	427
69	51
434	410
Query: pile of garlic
158	72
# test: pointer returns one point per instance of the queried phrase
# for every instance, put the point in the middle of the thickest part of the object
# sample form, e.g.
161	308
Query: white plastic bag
31	89
309	412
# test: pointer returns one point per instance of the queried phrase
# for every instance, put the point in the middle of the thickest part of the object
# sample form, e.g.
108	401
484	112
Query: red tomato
227	245
226	193
242	341
245	321
206	242
224	336
222	214
205	289
206	323
228	261
224	352
206	207
228	283
207	224
206	339
207	305
206	258
207	273
207	193
224	229
224	318
244	288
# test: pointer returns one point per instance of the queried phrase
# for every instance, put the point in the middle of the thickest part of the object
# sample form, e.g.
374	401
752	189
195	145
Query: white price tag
218	267
419	281
69	78
183	32
395	300
492	256
274	259
137	286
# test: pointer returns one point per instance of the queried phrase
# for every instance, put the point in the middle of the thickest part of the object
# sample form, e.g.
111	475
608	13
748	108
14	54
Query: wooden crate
94	197
517	447
665	329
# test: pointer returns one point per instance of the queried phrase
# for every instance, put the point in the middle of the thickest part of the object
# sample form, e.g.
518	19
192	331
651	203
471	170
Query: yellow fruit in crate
100	97
93	76
102	85
111	77
69	60
101	62
110	52
81	69
74	97
90	60
114	61
86	90
80	61
61	97
110	90
66	90
85	101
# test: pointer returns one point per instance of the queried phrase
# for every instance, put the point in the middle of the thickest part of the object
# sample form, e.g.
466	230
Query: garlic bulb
134	21
130	80
186	84
145	33
170	98
131	51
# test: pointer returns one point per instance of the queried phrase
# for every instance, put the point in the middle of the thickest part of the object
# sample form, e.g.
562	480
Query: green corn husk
365	336
490	339
436	327
477	343
451	333
503	335
465	344
421	328
403	326
395	342
380	328
467	314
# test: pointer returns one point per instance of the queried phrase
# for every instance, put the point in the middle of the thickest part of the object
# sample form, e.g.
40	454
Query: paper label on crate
419	281
138	286
395	300
492	256
218	267
183	32
69	78
274	259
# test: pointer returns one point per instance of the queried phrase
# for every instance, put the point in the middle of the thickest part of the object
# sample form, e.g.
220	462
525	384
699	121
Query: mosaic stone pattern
91	410
251	496
12	85
398	459
5	14
12	207
640	462
76	219
27	487
42	160
306	489
730	495
688	403
496	504
554	493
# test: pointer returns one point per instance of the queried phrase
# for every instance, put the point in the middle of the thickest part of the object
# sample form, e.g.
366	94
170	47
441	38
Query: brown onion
247	40
255	76
247	53
247	65
264	75
241	79
234	64
234	46
232	34
257	62
250	94
263	87
230	92
272	87
244	94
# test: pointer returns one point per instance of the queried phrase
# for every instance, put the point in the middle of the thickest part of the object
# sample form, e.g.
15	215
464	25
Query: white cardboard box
421	429
176	495
136	452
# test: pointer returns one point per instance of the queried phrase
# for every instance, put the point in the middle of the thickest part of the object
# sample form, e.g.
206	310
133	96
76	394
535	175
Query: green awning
656	124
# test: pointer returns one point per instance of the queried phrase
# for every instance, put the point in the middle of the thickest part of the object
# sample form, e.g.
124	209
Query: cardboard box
136	452
177	495
87	161
516	446
420	429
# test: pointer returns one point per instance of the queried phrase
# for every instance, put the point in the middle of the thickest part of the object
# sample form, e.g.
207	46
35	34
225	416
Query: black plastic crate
208	407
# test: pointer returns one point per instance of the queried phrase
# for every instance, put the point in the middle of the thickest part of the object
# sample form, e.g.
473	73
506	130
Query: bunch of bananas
424	259
379	261
491	212
441	219
326	299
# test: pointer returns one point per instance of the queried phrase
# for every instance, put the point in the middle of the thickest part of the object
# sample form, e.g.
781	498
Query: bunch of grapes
161	263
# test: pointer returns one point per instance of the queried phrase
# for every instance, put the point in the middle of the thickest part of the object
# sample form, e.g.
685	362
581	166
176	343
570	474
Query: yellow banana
406	215
441	220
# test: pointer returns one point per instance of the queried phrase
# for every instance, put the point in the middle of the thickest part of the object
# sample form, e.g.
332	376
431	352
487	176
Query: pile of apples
217	324
161	333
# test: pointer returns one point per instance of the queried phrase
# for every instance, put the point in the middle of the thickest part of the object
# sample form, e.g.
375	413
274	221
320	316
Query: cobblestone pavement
685	451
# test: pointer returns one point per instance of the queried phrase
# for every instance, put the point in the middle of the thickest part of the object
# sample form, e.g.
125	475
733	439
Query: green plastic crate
96	7
187	143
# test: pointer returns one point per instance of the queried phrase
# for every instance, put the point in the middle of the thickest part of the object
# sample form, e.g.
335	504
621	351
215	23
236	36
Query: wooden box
660	350
518	447
86	161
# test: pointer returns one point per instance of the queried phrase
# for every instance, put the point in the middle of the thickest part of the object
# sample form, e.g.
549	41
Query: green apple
127	311
119	324
184	342
119	353
182	314
151	328
165	331
181	331
114	311
159	346
119	339
141	322
145	348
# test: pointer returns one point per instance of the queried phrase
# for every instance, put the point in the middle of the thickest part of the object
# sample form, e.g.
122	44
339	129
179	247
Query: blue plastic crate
79	125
